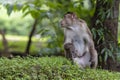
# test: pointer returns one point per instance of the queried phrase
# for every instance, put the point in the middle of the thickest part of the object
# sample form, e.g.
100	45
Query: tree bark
110	26
27	50
5	52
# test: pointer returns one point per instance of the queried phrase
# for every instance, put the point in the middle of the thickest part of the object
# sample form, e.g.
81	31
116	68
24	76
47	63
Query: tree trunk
5	52
110	26
27	51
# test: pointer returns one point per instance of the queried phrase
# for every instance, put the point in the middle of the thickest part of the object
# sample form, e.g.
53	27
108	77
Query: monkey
78	41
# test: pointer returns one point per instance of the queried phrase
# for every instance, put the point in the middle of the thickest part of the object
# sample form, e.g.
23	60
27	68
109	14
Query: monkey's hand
70	50
68	46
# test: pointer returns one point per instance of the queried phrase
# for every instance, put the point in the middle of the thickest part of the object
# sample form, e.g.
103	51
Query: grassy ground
21	38
18	43
49	68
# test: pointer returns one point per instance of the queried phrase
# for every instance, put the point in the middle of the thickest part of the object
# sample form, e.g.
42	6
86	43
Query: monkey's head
69	19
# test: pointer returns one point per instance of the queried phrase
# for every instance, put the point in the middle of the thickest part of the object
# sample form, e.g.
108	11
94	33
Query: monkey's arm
89	32
67	36
94	56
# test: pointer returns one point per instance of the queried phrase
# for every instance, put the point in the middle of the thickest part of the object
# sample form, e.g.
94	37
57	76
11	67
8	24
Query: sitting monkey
78	42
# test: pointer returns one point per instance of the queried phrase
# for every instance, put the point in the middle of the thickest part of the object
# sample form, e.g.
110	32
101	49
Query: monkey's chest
79	45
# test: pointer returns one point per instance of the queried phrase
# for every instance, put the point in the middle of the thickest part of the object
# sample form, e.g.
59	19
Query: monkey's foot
92	64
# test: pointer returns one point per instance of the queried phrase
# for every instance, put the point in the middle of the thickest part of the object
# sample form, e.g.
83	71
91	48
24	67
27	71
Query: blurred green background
48	37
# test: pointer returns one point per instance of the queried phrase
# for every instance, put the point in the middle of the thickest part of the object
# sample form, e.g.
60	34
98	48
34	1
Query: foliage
15	24
108	52
56	68
119	33
49	13
105	46
118	52
54	34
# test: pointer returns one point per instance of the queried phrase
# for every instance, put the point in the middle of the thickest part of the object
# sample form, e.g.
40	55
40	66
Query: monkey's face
67	20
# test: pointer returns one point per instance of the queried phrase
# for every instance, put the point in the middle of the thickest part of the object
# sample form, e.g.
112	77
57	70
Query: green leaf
25	8
18	7
26	13
9	8
103	50
94	32
106	56
108	13
34	13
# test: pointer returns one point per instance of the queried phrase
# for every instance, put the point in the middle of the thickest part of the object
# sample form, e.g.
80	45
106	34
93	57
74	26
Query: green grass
49	68
21	38
19	46
19	43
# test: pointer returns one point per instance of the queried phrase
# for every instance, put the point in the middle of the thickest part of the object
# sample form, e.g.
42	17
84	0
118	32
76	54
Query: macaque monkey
78	42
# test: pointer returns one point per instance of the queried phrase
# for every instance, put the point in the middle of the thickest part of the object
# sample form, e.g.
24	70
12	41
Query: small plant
49	68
